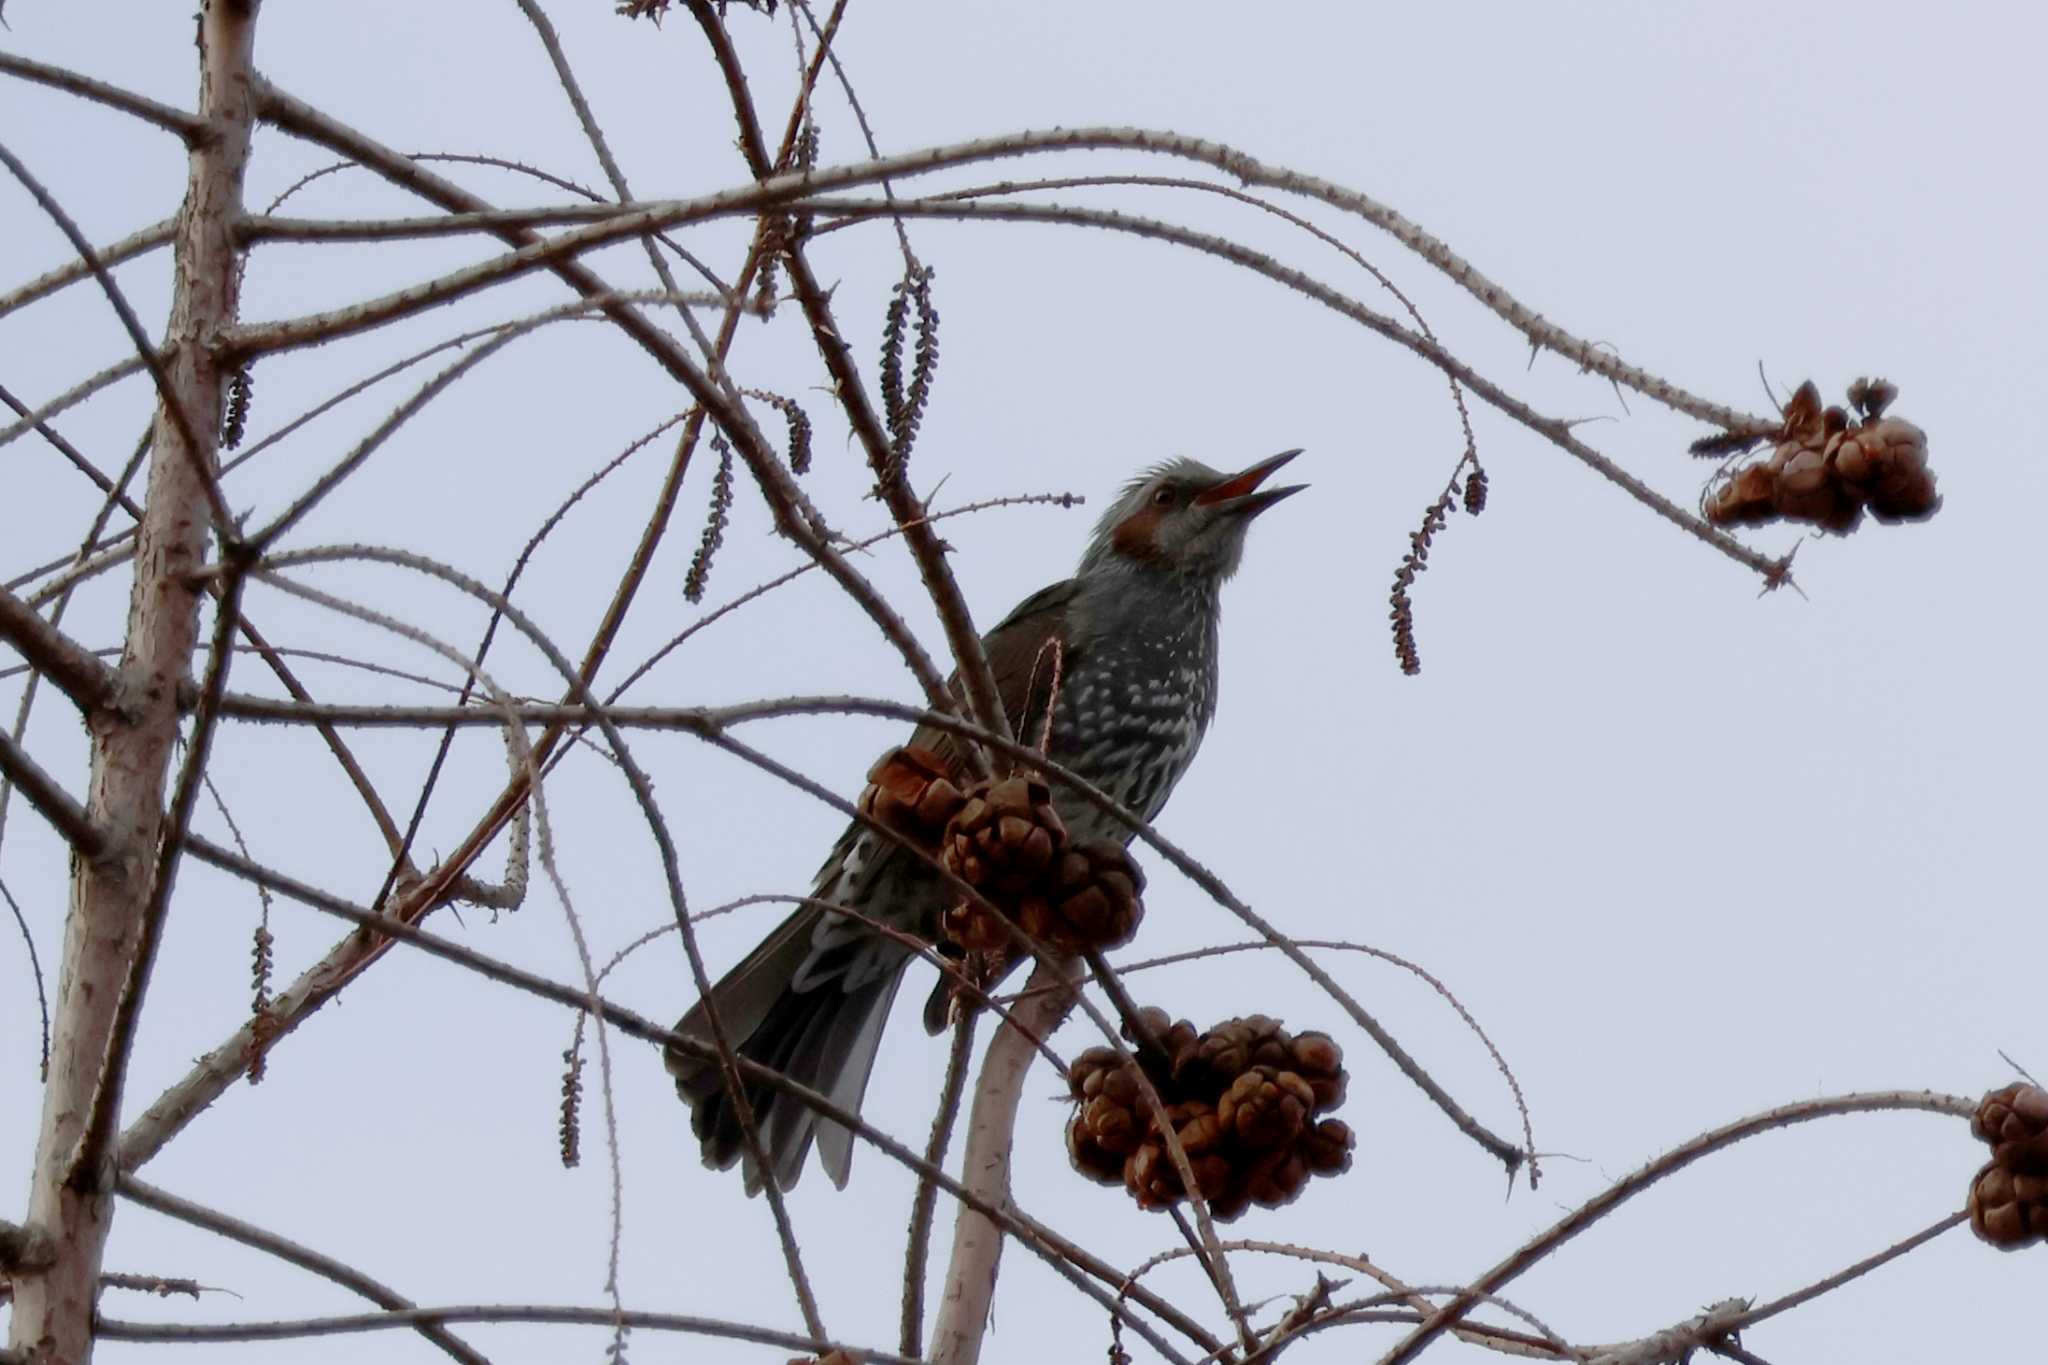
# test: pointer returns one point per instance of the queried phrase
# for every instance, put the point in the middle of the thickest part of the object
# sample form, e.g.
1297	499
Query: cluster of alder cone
1003	838
2009	1197
1828	468
1244	1099
1247	1100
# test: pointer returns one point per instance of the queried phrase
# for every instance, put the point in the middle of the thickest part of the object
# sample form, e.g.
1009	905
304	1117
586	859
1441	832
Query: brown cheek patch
1137	536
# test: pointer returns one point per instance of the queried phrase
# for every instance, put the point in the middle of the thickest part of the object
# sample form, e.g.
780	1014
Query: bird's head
1184	517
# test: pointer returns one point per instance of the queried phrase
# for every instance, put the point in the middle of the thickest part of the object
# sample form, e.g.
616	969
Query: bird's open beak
1240	495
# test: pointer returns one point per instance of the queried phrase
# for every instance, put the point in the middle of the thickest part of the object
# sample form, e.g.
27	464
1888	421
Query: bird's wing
1028	651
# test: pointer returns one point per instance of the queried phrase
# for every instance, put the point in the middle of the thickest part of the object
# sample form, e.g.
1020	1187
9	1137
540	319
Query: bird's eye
1164	497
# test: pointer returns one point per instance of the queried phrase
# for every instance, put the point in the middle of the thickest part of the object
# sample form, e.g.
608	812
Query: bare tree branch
710	720
76	671
115	494
191	127
114	1329
1058	1252
72	397
191	437
977	679
71	272
917	1251
1788	1302
1673	1161
63	810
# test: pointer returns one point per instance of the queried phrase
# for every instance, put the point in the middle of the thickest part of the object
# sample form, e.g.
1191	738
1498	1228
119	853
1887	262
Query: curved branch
707	722
977	678
782	190
171	402
191	127
792	515
71	397
115	1329
1672	1162
1056	1252
1558	432
127	249
249	1235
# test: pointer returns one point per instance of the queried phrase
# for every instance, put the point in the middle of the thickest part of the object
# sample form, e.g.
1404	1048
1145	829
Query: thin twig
708	722
73	396
1415	969
1060	1253
1673	1161
191	127
135	244
170	405
1787	1302
1556	431
401	860
35	971
115	1329
565	75
643	795
917	1252
72	453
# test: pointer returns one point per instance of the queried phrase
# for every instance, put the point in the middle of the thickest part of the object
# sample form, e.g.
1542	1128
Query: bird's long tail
821	1029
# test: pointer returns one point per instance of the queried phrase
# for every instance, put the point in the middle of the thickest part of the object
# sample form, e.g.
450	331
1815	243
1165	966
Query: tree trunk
131	750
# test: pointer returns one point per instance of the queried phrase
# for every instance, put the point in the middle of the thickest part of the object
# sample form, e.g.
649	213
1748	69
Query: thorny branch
1059	1253
1673	1161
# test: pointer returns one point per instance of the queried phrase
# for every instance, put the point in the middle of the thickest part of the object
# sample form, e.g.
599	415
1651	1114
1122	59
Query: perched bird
1132	641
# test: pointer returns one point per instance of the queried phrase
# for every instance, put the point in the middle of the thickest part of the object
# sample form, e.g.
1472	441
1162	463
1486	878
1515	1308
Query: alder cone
1088	1067
1092	900
910	792
2015	1122
1241	1098
1091	1158
1266	1109
1810	490
1277	1178
1004	839
1153	1177
1229	1050
2007	1210
1156	1040
1327	1147
1318	1060
1748	498
2009	1198
1825	469
1112	1113
1888	457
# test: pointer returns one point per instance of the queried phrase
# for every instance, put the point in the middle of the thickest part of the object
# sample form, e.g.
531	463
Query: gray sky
1685	851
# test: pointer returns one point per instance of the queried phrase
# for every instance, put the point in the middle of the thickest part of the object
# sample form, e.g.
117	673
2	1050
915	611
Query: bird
1134	632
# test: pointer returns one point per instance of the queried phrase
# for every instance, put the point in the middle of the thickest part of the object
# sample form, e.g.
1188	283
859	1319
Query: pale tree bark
70	1200
985	1168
